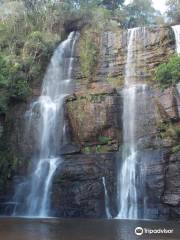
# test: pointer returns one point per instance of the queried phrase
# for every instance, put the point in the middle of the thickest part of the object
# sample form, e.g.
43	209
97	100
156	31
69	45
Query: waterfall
108	214
132	93
57	84
176	30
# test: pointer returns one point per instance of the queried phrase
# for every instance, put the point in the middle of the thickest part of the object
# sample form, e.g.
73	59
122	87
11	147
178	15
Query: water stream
108	214
133	90
57	84
176	30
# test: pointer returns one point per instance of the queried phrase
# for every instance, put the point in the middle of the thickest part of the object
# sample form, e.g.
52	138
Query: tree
168	74
139	13
109	4
112	4
173	11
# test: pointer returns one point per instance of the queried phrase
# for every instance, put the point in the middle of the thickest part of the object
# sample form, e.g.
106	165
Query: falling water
127	177
57	84
176	30
108	214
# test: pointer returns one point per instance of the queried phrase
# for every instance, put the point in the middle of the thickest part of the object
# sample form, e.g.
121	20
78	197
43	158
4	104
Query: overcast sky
158	4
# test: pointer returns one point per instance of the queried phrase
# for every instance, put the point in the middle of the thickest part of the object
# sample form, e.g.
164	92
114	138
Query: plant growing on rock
168	74
88	54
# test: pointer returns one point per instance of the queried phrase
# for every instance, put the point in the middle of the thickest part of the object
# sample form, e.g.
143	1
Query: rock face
156	49
168	103
94	114
94	118
2	119
78	186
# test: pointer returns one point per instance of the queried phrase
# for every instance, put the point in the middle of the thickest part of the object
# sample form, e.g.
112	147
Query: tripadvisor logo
140	231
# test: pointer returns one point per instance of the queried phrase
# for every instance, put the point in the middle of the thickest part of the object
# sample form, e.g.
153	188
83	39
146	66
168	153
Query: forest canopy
30	30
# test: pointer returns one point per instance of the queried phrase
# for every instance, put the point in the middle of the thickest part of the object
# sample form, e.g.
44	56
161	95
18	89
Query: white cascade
57	84
176	30
127	176
108	214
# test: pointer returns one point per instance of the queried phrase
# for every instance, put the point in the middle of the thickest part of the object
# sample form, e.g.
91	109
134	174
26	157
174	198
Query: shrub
168	74
104	140
4	72
20	89
3	102
88	54
176	149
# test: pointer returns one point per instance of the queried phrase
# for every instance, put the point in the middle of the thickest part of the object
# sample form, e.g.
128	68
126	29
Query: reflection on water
58	229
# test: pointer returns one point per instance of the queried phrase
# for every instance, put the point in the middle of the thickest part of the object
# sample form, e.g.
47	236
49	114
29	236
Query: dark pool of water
60	229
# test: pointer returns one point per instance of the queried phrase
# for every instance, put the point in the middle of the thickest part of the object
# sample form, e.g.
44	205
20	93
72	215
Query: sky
158	4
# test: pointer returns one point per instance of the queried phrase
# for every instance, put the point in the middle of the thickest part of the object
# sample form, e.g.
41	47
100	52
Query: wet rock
78	189
94	114
94	117
171	195
76	24
167	101
2	123
69	149
151	50
152	165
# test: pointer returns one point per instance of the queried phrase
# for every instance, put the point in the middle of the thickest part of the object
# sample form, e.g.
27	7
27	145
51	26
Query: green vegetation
31	30
173	11
139	13
88	54
97	149
171	132
4	72
115	81
103	146
27	40
168	74
9	163
104	140
90	43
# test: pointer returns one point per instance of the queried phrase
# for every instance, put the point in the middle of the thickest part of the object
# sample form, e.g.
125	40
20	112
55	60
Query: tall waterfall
57	84
176	30
127	176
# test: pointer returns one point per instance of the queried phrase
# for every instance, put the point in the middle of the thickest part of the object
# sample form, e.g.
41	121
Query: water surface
61	229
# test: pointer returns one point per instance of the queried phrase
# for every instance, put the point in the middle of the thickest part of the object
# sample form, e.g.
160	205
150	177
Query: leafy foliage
168	74
4	72
32	28
173	11
138	13
104	140
27	39
112	4
88	54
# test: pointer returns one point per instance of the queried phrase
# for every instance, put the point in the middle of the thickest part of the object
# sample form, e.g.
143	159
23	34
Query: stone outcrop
78	189
94	118
168	103
151	50
94	114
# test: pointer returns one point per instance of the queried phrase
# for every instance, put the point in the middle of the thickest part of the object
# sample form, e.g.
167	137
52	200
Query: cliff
94	120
